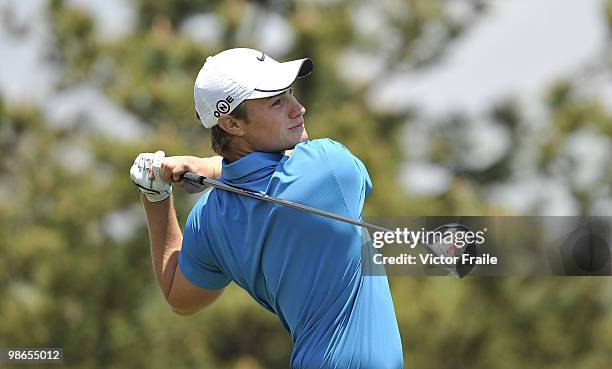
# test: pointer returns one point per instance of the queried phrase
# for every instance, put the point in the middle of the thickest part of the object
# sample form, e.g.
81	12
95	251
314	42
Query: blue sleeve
334	162
196	260
352	176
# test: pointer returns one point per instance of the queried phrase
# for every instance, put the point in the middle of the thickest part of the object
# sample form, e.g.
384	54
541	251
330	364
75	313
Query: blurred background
456	107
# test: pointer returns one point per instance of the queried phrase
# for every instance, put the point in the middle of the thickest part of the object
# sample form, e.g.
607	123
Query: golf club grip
193	183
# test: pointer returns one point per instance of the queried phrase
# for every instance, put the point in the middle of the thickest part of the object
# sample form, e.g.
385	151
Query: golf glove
155	189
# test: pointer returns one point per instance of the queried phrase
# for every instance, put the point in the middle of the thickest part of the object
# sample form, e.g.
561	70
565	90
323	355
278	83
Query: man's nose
298	109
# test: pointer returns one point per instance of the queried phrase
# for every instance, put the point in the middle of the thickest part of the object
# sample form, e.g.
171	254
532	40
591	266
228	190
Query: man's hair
219	139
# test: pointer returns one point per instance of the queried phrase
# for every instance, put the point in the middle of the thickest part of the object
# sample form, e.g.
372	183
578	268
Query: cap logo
223	106
262	57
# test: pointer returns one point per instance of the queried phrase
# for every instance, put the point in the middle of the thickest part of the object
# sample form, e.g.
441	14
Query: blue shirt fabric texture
302	267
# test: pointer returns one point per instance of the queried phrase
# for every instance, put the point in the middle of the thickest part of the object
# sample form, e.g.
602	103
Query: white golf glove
155	189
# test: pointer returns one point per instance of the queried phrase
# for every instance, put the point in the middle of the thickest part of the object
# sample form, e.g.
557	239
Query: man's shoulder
325	160
326	145
321	152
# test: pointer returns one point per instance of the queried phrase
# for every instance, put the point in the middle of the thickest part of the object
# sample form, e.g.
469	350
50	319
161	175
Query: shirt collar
251	167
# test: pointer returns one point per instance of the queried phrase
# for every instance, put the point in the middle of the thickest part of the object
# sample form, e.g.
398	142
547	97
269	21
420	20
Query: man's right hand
173	167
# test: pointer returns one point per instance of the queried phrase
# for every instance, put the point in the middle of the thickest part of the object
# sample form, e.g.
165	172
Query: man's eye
276	102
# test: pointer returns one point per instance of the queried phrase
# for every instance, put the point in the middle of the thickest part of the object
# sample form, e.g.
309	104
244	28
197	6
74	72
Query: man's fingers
172	168
181	165
176	176
166	170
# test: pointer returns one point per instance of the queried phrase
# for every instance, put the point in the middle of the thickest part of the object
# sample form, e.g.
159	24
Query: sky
518	48
28	77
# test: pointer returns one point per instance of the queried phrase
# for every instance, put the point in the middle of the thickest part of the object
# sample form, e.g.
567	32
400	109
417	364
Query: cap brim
280	76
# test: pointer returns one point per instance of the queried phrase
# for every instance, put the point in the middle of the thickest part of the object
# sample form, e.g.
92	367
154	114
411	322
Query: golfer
303	268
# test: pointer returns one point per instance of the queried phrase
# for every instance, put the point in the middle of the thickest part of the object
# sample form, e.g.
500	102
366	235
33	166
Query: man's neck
237	149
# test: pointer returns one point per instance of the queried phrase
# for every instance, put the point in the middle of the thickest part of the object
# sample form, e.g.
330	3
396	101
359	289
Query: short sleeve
196	260
350	173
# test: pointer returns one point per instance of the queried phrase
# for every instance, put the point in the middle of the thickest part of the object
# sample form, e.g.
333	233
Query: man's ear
230	125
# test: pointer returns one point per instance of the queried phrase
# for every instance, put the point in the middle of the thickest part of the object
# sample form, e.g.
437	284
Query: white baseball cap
235	75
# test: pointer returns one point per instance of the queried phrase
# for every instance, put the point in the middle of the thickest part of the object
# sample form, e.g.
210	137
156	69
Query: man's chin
304	136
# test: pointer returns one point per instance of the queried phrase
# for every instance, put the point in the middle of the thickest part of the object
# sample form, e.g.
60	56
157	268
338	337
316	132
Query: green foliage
151	11
76	43
503	323
153	75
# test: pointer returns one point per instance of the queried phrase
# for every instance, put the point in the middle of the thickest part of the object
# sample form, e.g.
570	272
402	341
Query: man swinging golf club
302	267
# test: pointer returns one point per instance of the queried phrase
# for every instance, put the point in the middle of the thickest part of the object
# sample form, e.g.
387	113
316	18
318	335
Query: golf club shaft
205	181
198	181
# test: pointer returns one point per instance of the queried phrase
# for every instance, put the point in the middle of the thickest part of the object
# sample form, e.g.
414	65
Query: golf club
194	183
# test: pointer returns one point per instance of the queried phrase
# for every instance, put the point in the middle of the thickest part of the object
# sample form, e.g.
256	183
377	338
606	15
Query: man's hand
173	167
145	174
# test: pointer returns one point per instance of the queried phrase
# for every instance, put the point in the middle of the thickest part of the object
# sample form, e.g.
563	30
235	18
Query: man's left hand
145	173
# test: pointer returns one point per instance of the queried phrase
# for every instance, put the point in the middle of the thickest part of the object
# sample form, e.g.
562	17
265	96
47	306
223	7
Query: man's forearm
166	240
210	167
173	167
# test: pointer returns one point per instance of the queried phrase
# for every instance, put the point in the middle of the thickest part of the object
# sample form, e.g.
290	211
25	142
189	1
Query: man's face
275	123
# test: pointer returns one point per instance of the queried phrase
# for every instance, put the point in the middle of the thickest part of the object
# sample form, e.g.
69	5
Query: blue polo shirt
302	267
